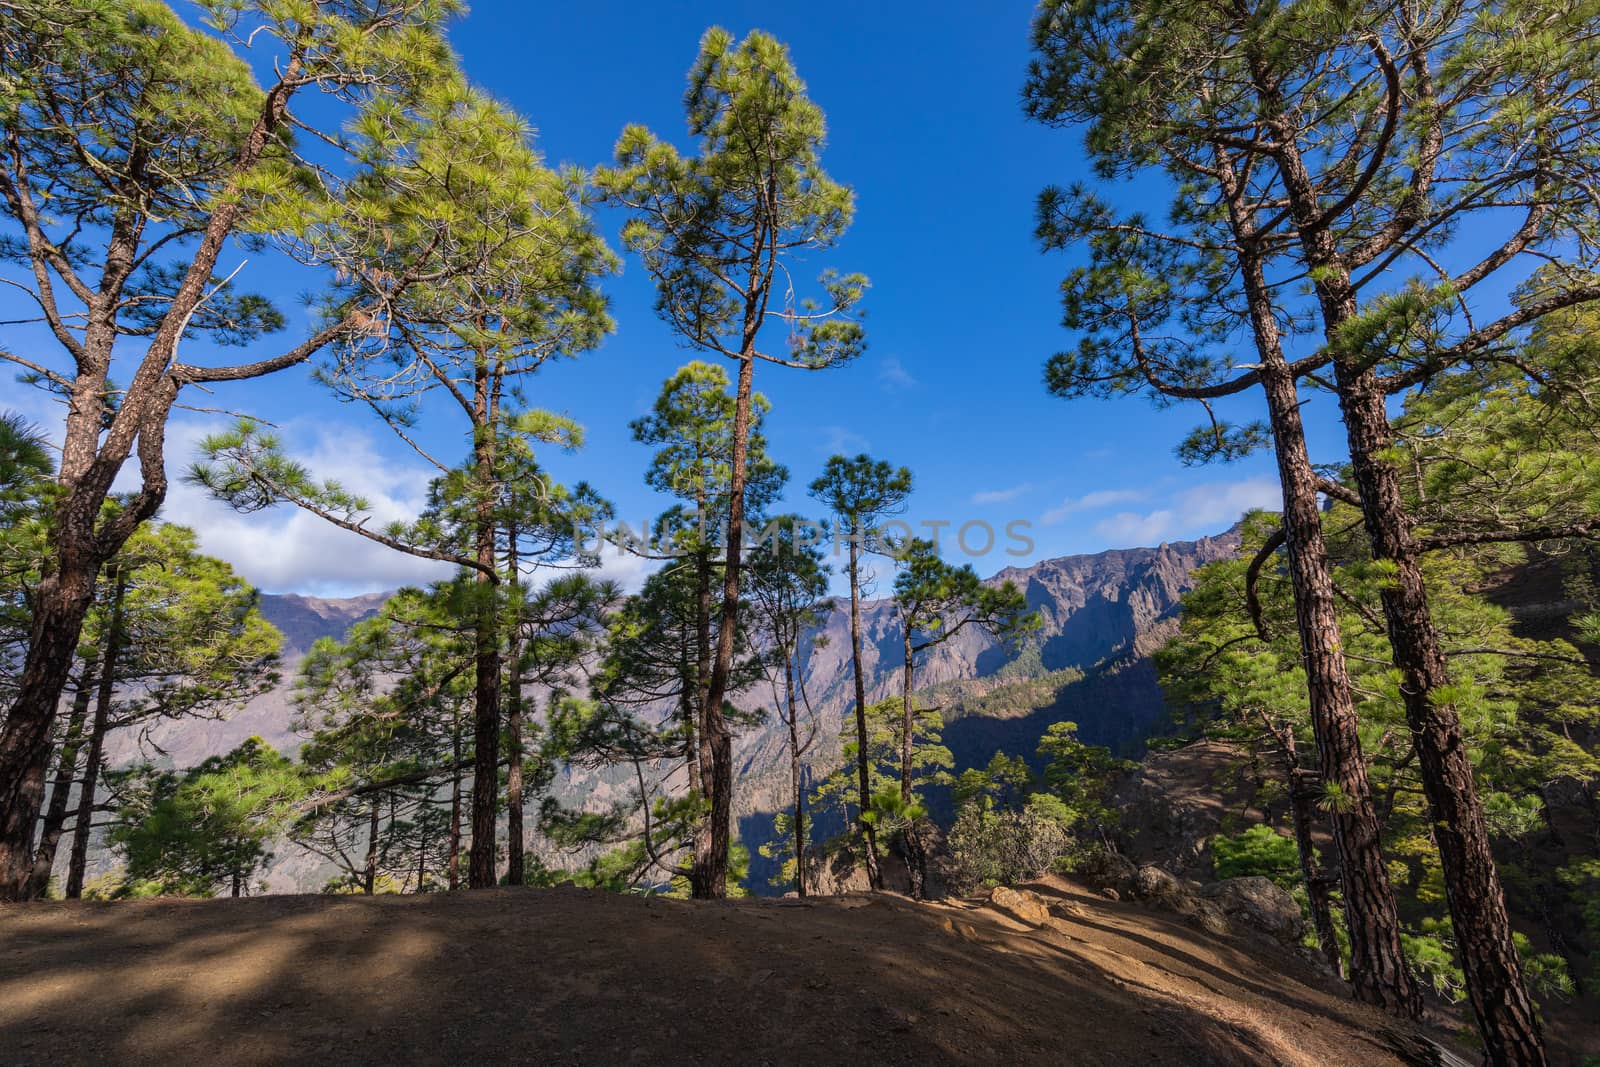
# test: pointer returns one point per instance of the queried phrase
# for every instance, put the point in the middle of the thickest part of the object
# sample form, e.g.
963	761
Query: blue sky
924	122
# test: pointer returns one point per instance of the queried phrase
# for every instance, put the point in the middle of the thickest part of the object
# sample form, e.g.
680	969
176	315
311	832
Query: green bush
989	848
1259	850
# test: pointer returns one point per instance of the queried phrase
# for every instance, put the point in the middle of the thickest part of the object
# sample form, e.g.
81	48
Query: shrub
1259	850
1004	848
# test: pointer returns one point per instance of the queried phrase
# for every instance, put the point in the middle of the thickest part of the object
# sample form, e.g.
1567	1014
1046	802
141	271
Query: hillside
302	620
570	976
1100	615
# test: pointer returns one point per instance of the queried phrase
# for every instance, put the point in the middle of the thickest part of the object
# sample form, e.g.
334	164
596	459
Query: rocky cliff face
1101	615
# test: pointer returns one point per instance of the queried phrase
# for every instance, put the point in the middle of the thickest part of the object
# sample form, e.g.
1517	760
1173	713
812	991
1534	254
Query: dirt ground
567	976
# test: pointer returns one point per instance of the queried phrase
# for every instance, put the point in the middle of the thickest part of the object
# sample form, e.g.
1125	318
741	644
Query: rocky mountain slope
303	620
1101	615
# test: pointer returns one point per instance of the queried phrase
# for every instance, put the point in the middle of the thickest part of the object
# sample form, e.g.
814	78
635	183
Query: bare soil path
567	976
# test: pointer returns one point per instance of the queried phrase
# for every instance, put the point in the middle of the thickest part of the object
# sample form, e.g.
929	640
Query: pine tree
934	602
861	493
1165	312
25	488
189	152
207	829
173	635
385	711
663	645
720	233
1372	140
787	588
517	288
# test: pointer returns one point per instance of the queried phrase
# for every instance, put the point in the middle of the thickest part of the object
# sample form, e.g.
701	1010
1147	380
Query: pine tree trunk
1302	813
482	857
369	873
1494	979
908	718
1378	971
869	833
55	815
516	862
709	878
799	817
454	867
1495	987
916	854
484	854
422	846
703	661
61	602
703	760
82	829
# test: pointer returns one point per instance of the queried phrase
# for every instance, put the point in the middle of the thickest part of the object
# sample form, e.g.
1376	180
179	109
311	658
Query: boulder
1210	918
1154	884
1258	903
1174	802
1111	870
842	872
1021	904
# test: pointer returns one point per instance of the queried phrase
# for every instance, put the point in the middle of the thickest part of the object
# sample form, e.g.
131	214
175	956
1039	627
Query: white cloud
286	549
893	376
843	441
1001	496
624	568
1095	501
1206	509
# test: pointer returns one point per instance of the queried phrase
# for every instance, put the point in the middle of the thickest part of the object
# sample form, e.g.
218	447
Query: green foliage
1003	784
861	492
692	424
781	848
197	832
935	601
192	642
1259	850
719	231
1081	776
930	764
26	489
1007	847
1432	954
1581	877
1011	826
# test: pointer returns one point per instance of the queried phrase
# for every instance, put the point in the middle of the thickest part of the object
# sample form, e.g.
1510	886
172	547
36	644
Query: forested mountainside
302	620
1100	616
